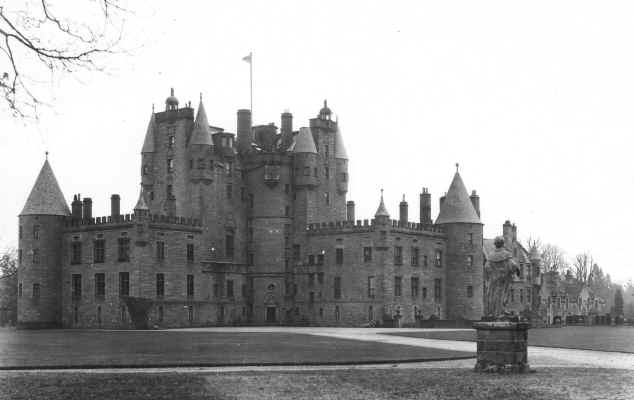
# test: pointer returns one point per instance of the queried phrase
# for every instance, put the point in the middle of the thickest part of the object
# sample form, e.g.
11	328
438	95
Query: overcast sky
533	99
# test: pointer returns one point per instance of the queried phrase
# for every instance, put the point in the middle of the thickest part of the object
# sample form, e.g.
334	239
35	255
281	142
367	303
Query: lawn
371	384
604	338
65	348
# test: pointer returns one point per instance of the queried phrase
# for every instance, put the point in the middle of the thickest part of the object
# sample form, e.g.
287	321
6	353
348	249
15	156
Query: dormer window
171	140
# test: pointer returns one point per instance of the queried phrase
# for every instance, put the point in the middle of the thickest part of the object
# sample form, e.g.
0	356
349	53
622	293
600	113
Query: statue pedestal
502	346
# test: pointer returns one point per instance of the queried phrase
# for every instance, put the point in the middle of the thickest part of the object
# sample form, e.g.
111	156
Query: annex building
251	227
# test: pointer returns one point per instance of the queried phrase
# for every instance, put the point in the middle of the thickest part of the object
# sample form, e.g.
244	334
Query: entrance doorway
270	314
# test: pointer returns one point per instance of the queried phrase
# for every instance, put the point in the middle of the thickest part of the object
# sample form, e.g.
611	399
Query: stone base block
502	347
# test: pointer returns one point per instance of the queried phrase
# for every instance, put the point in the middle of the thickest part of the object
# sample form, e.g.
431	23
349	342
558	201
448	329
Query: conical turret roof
46	197
141	204
381	211
148	143
201	134
304	142
457	206
340	149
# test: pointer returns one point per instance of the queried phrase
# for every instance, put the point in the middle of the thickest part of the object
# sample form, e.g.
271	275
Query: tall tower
464	259
40	241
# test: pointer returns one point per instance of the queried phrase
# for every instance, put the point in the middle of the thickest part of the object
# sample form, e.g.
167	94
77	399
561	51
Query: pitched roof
340	149
201	134
46	197
148	143
304	142
381	211
457	206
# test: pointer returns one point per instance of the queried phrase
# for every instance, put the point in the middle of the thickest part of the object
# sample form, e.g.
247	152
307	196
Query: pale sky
534	99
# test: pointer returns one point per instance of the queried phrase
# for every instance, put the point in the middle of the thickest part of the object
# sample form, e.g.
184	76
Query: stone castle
250	228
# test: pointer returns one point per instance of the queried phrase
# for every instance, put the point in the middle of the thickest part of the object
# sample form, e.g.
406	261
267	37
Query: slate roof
457	206
148	143
201	134
46	197
340	149
141	204
304	142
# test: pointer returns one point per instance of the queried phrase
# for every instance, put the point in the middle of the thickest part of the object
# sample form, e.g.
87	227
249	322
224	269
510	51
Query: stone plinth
502	346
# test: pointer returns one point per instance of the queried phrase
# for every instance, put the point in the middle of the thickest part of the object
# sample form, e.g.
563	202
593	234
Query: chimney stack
507	233
115	206
403	211
76	207
475	200
244	131
350	210
287	123
87	208
425	207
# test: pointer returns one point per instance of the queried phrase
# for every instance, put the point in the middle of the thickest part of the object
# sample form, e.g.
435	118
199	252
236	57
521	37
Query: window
123	314
327	196
327	172
425	261
20	232
287	188
190	252
170	165
326	152
320	277
414	256
306	171
216	290
190	314
438	258
124	283
229	168
272	173
99	251
251	259
337	313
397	285
522	296
124	249
469	291
367	254
171	140
370	313
311	279
311	297
100	285
320	258
229	191
287	211
36	256
76	286
19	256
36	232
337	287
160	314
311	259
339	256
315	172
398	255
229	246
414	286
200	163
437	289
470	238
36	290
296	252
469	261
424	294
160	285
76	314
229	288
371	287
190	285
251	200
75	253
160	250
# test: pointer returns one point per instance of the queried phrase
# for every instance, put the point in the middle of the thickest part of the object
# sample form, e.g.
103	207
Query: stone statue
498	275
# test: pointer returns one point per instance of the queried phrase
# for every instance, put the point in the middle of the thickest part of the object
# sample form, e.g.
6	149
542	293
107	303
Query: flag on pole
247	58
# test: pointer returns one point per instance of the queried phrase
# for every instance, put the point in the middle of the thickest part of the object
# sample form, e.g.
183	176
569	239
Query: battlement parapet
123	219
371	225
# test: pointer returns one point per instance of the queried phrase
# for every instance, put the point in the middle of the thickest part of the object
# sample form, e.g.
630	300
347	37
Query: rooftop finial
152	108
201	96
46	154
381	193
325	103
457	166
171	91
403	196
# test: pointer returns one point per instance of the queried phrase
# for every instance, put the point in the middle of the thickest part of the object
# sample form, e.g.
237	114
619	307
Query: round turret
325	112
171	103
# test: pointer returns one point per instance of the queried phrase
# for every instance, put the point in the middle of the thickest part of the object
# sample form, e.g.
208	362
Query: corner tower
464	259
40	243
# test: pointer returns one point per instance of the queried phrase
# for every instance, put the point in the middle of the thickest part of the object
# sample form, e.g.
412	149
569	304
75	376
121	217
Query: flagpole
251	82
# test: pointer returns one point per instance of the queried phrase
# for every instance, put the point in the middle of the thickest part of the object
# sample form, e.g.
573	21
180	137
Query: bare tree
9	262
584	267
44	38
553	259
534	243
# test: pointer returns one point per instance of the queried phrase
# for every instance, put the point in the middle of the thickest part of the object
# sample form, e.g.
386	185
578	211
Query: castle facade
246	228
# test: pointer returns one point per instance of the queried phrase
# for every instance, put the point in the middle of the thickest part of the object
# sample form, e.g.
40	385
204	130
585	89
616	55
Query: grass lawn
64	348
367	384
604	338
